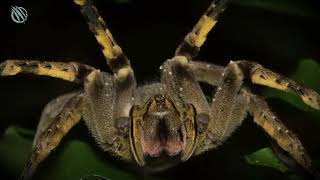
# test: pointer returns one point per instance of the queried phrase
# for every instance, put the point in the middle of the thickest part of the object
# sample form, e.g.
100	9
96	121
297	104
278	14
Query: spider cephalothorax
169	120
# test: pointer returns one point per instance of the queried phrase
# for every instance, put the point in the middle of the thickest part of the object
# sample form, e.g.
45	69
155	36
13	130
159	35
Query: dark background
149	31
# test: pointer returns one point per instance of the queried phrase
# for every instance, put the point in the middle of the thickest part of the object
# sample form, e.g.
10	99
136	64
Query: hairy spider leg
116	59
53	126
73	72
183	89
181	85
273	126
108	102
244	101
262	76
227	109
216	120
193	41
115	92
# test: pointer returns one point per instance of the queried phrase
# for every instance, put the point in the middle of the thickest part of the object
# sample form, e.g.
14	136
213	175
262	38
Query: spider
162	123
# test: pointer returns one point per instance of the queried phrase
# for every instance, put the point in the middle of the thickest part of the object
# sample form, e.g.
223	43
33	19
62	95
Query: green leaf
14	149
77	159
265	157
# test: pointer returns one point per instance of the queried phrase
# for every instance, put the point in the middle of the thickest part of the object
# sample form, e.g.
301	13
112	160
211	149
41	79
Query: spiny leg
117	91
50	112
286	139
181	84
241	103
108	102
215	123
73	72
109	125
262	76
116	59
205	72
51	131
258	75
268	78
225	125
273	124
185	91
227	111
193	41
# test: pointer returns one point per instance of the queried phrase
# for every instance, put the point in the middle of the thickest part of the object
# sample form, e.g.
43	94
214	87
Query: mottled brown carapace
167	121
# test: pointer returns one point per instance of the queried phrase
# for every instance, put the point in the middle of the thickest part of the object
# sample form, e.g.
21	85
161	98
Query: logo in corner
19	14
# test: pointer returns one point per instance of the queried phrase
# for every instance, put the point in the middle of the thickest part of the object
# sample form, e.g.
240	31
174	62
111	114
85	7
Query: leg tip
123	73
182	60
80	2
312	99
8	68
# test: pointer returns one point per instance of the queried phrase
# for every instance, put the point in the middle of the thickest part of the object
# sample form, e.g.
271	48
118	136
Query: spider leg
273	126
184	90
258	75
108	101
193	41
116	59
73	72
59	116
181	77
227	111
262	76
181	84
205	72
229	107
109	126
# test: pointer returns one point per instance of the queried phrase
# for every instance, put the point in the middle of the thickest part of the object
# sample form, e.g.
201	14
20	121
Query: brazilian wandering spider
170	119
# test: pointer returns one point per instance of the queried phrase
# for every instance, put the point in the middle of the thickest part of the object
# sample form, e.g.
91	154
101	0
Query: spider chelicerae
159	124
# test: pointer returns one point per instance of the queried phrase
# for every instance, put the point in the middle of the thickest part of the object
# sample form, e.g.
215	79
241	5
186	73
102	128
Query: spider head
160	131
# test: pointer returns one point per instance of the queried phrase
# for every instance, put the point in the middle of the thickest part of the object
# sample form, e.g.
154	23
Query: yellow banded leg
196	38
73	72
116	59
49	138
262	76
286	139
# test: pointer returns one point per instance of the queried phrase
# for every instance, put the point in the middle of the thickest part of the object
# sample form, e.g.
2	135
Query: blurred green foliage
266	157
77	160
